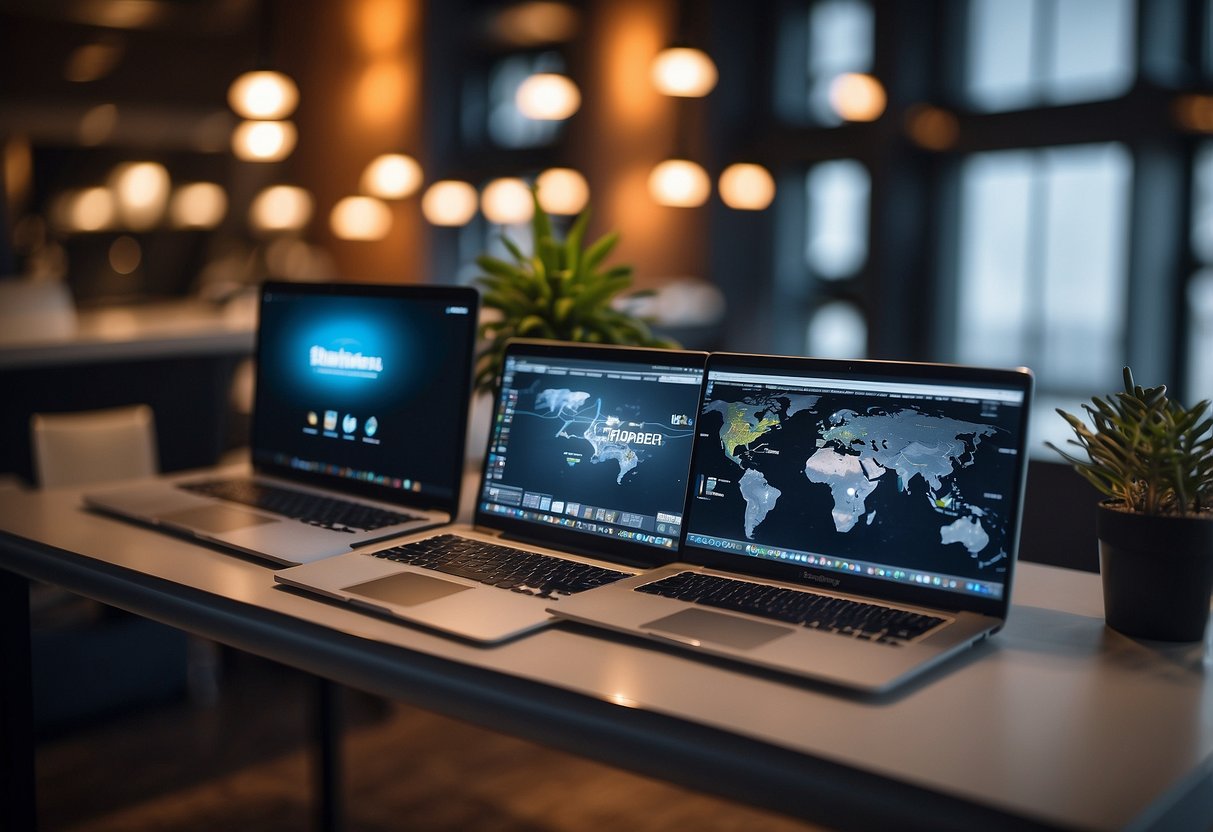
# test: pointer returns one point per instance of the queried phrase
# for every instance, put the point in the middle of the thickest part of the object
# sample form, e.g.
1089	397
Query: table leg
327	721
17	779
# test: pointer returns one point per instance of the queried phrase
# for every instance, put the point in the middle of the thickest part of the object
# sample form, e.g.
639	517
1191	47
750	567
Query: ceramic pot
1157	574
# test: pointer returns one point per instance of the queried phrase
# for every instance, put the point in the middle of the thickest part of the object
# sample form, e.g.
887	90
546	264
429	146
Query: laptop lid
897	481
365	388
589	448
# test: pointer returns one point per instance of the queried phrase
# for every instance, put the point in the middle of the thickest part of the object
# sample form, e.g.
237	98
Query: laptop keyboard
325	512
856	619
502	566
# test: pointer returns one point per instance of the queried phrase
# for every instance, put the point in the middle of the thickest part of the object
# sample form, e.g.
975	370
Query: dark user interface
898	481
363	388
599	448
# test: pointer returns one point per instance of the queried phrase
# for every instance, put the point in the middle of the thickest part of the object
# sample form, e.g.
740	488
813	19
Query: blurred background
1005	182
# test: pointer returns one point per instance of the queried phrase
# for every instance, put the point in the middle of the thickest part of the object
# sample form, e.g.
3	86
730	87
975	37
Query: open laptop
358	426
853	522
585	475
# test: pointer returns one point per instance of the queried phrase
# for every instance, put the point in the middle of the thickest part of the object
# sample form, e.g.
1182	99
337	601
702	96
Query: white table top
1055	720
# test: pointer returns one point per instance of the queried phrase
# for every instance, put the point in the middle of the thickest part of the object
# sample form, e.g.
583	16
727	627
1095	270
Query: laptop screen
891	479
590	447
365	387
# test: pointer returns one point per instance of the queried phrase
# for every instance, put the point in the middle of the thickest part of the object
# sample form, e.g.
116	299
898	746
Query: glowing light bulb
141	192
392	176
264	141
93	209
198	205
263	95
507	201
281	208
361	218
747	187
562	191
449	202
679	183
688	73
857	97
547	97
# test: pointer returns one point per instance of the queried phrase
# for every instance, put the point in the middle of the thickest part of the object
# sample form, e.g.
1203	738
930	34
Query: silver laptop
358	426
584	480
853	522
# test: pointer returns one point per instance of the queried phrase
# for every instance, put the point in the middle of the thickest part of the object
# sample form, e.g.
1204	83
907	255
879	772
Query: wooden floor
244	763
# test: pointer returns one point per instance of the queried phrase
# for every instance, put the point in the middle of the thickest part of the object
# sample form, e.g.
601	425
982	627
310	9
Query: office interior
985	182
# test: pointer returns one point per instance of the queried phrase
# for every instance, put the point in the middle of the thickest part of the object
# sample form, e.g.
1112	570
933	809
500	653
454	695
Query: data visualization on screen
597	447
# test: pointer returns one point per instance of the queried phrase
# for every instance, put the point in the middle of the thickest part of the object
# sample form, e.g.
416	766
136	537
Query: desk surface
1056	721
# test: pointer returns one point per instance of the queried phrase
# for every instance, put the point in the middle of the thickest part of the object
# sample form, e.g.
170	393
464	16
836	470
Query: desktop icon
330	420
349	424
370	426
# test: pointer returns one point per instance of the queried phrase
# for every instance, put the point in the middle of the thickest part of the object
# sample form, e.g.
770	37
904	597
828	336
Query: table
1057	722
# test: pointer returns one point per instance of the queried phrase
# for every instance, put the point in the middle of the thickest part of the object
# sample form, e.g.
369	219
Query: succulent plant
560	292
1145	452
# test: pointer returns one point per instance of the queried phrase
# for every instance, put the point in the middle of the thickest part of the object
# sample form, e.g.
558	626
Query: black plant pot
1157	574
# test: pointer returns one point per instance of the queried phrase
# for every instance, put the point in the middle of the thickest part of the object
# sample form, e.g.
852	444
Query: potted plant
561	292
1153	460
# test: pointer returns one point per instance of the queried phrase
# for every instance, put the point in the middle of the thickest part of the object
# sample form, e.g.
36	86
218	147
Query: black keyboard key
857	619
325	512
501	566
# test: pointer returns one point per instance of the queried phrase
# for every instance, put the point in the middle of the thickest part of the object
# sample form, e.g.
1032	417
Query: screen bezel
814	578
619	551
452	295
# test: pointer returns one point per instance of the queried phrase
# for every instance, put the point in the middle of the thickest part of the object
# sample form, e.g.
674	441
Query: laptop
853	522
357	427
584	478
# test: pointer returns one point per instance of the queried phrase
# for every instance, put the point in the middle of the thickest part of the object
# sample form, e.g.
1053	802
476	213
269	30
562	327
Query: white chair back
94	446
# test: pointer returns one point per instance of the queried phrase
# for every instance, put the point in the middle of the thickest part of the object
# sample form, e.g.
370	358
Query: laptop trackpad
214	519
406	589
700	625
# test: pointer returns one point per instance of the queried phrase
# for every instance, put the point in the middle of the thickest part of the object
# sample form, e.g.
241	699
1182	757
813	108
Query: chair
94	446
127	661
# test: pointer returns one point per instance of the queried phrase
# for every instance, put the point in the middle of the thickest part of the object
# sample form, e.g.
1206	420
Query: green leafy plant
1145	452
560	292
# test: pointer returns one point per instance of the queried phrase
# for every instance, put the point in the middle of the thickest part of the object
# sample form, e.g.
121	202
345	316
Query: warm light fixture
141	192
547	96
263	95
97	125
93	61
92	209
679	183
747	187
562	191
281	208
198	205
392	176
856	96
361	218
688	73
932	127
535	22
449	202
125	254
507	201
264	141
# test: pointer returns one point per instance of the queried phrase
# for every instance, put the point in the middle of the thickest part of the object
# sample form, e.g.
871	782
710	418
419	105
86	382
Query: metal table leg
17	778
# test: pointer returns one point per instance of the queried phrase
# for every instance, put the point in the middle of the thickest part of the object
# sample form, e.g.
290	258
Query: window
831	38
833	240
1043	268
1024	53
1199	381
506	126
